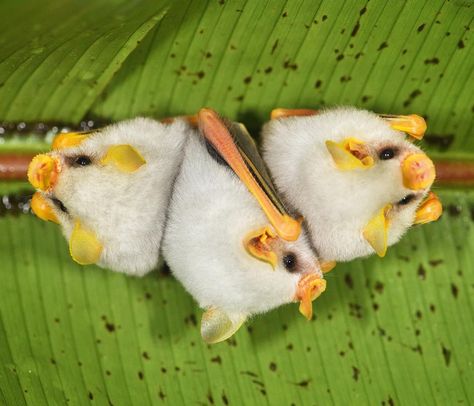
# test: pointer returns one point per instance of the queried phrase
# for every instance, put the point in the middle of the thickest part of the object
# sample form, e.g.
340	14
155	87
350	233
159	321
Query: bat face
357	182
220	245
109	191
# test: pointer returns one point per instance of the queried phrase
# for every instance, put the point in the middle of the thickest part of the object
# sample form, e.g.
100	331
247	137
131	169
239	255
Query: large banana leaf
391	331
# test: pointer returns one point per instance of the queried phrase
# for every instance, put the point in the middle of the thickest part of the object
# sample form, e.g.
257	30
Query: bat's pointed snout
309	288
43	172
418	171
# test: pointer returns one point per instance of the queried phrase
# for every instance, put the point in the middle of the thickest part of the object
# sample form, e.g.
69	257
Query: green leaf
396	330
56	58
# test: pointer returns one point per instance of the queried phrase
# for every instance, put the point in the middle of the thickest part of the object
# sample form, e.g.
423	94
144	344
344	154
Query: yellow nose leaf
42	209
310	287
418	171
84	246
350	154
43	172
376	231
67	140
124	157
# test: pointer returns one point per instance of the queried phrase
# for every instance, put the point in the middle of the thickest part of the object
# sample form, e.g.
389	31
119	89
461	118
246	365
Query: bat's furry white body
126	211
210	214
338	204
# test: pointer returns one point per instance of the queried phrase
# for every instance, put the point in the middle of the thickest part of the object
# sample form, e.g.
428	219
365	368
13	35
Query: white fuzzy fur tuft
210	214
338	204
126	211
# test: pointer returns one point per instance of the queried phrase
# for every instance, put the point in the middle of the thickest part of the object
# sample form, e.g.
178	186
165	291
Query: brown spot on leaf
421	272
454	290
454	210
91	396
382	46
290	65
140	375
356	28
340	57
224	398
355	373
268	70
217	360
446	355
461	44
436	262
274	47
285	14
304	383
110	327
348	280
418	314
440	141
324	18
432	61
318	84
421	27
247	80
273	366
145	355
379	287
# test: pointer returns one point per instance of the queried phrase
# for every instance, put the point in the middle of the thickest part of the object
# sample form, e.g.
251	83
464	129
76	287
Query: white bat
109	189
354	176
219	241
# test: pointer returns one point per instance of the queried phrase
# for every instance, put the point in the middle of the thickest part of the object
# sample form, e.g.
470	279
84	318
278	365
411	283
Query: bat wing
234	145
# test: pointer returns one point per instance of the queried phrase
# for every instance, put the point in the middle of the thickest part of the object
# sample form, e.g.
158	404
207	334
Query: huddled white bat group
348	183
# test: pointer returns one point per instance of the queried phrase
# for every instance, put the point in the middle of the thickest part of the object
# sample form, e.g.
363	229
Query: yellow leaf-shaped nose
418	171
309	288
42	208
84	246
43	172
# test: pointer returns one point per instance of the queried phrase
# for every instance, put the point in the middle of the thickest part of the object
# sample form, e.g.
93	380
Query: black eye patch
406	200
59	204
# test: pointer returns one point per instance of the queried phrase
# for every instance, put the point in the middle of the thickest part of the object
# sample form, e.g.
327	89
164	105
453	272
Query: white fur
338	204
126	211
210	214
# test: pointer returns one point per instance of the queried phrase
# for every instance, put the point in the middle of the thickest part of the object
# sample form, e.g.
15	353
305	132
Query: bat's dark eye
386	154
406	200
59	204
289	262
82	160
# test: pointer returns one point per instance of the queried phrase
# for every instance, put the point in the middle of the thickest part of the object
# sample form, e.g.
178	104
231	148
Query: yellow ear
67	140
217	326
284	113
412	125
350	154
84	246
124	157
258	243
376	231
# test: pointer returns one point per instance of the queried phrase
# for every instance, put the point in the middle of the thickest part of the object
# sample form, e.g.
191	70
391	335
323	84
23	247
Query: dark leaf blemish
446	355
421	27
355	373
454	290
